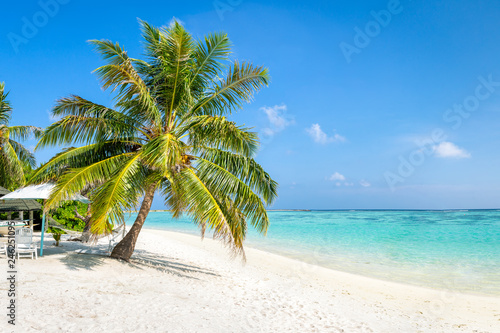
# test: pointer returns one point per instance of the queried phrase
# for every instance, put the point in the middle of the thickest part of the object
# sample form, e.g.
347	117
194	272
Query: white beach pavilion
42	191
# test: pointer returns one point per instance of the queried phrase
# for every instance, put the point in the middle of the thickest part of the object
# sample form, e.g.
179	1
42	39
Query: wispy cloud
364	183
278	119
337	177
341	180
317	134
448	149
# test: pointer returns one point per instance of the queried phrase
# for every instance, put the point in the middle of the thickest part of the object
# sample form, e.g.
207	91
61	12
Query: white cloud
275	116
341	180
364	183
449	150
321	137
337	176
267	132
338	138
278	119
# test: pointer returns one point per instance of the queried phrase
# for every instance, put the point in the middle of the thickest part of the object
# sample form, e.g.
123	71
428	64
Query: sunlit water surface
457	250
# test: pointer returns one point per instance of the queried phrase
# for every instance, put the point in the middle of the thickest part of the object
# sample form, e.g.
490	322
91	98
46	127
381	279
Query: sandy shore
176	283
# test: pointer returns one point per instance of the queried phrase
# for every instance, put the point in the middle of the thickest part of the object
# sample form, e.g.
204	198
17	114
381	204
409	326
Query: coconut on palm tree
15	159
168	134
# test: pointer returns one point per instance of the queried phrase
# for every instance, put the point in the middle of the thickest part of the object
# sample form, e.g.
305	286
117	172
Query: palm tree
15	159
168	133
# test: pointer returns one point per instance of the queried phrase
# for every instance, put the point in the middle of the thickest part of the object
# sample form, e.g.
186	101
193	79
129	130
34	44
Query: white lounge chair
24	243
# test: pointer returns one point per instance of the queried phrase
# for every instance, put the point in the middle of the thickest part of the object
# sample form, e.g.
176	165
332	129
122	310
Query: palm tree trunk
124	249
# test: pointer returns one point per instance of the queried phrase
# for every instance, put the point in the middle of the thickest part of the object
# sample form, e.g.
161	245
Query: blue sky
372	104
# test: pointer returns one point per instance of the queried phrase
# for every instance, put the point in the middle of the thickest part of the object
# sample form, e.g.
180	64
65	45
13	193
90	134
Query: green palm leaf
238	87
74	180
218	132
77	157
13	174
14	157
203	206
120	192
244	168
210	57
5	107
24	132
121	76
23	155
226	184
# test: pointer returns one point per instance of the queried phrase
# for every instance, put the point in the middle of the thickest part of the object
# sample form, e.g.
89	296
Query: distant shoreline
289	210
269	210
352	210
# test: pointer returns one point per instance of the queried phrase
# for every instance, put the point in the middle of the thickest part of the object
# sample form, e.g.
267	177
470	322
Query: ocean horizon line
357	209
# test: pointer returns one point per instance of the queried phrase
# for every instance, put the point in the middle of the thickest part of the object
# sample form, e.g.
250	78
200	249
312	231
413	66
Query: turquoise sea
456	250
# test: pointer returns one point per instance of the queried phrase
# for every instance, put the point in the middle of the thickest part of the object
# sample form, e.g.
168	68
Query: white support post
43	234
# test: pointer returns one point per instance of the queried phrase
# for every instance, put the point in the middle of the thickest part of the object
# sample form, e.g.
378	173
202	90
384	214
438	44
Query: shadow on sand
82	257
144	259
78	261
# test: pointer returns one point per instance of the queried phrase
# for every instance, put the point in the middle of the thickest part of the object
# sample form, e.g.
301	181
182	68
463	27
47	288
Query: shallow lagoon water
456	250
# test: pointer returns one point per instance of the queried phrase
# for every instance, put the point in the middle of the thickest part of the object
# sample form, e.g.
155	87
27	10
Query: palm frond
245	168
151	43
5	107
225	184
120	192
210	57
24	132
237	222
23	154
120	75
74	180
12	174
238	87
162	153
78	157
86	122
202	205
178	48
218	132
169	50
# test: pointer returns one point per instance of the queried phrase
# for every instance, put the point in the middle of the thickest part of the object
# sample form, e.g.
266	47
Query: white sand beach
178	283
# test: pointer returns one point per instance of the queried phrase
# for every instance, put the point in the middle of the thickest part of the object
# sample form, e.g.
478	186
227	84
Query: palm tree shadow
140	260
77	261
144	259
